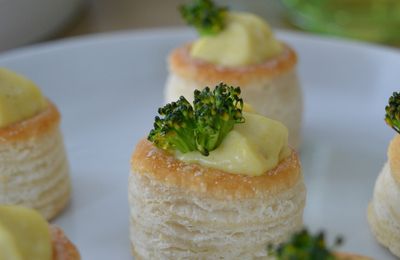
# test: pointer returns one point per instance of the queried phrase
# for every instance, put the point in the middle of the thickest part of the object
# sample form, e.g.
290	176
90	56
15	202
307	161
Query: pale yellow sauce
246	39
24	234
251	148
20	98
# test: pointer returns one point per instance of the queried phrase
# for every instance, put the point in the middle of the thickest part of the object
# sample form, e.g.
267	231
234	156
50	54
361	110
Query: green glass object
371	20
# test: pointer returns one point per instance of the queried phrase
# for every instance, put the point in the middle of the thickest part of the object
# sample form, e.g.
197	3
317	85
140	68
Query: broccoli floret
304	245
216	113
200	127
392	116
205	16
175	129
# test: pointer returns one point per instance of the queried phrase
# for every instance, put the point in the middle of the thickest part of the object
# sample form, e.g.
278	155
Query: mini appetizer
239	49
26	235
213	182
33	164
384	209
304	245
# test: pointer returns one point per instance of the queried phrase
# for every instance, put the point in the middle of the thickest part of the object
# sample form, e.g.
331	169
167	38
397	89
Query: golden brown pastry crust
63	249
347	256
394	157
32	127
184	65
163	167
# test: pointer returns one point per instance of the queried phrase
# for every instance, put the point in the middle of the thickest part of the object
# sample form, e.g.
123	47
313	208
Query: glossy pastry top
166	169
20	98
245	39
37	125
183	64
394	157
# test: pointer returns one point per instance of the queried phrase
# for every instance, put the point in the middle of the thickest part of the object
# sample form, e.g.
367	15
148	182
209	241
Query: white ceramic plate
108	88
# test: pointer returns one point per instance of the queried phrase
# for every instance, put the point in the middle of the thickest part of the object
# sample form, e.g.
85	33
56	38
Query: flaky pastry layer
165	168
394	157
34	169
182	63
35	126
187	211
384	211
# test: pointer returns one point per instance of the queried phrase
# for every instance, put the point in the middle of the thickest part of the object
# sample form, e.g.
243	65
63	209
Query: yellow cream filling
246	39
251	148
20	98
24	234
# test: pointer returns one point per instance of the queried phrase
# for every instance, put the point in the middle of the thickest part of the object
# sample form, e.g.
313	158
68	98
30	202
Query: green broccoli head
200	127
174	129
205	16
392	116
304	245
216	113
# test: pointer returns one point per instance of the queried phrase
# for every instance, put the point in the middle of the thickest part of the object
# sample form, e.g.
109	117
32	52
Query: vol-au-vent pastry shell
33	164
203	72
164	168
186	211
271	88
63	248
384	210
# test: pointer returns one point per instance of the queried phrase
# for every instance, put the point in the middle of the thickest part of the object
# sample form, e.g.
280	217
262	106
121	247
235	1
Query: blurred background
24	22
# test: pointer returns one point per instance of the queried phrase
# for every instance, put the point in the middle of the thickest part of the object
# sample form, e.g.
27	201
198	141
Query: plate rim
106	37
